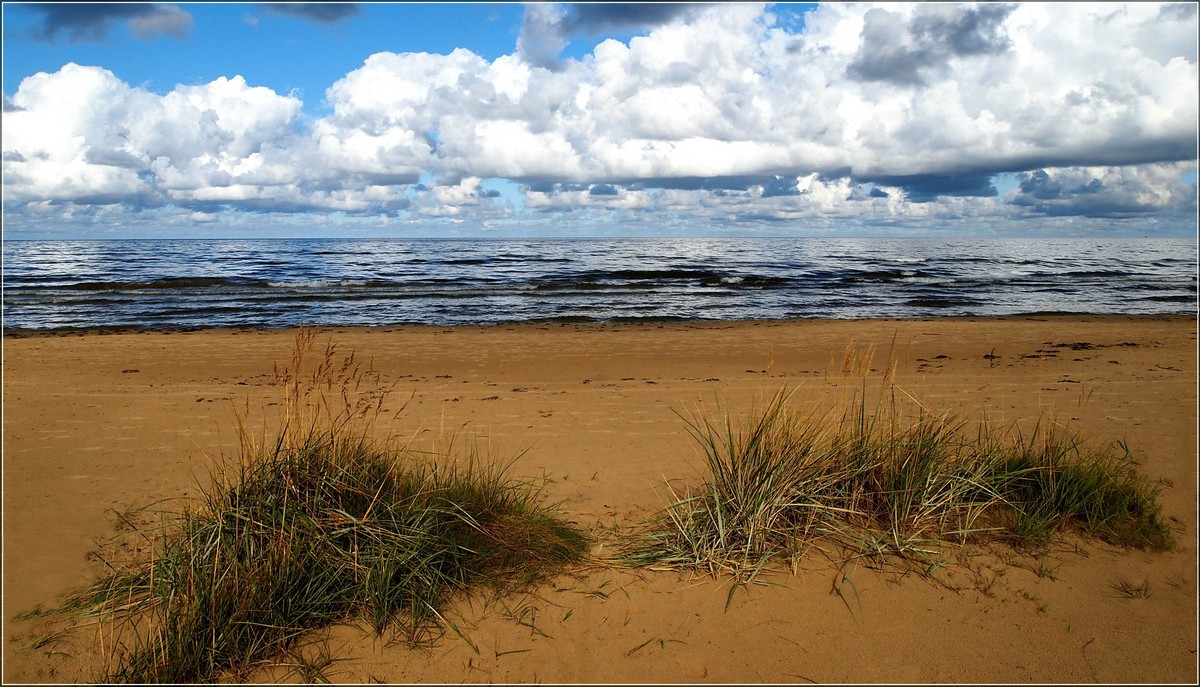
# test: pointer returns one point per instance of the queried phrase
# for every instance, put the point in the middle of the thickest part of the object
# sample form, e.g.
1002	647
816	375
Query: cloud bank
891	115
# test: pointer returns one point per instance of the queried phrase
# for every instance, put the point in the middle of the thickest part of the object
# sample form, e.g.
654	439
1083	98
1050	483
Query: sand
97	423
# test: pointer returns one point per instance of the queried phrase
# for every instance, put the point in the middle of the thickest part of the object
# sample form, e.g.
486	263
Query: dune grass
321	524
881	482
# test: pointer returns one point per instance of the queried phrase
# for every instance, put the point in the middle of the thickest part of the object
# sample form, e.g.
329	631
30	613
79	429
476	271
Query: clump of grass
1056	481
1129	590
878	483
318	525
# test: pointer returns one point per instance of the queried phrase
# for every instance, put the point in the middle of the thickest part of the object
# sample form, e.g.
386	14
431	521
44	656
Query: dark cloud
320	12
715	183
334	184
1115	196
967	31
596	18
925	188
114	158
759	217
772	185
1128	150
291	206
547	27
1039	186
144	200
92	21
903	54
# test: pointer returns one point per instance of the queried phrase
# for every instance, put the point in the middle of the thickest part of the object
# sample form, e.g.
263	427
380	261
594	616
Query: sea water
186	284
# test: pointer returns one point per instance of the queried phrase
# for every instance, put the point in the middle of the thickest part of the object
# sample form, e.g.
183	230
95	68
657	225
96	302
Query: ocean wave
160	285
884	275
324	283
164	284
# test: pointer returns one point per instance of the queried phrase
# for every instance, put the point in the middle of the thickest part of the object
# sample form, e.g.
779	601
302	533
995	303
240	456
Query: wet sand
97	423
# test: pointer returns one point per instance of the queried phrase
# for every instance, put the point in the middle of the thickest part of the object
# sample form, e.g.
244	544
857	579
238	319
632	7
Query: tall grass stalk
880	481
319	524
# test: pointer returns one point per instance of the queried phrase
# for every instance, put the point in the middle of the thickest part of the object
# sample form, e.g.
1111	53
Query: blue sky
279	51
712	119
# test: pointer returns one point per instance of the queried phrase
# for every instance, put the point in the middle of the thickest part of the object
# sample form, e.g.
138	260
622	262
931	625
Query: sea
191	284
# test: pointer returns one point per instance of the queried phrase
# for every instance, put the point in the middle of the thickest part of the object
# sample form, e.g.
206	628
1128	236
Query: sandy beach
97	423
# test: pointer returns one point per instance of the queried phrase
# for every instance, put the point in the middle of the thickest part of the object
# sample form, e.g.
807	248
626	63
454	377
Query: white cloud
203	217
81	133
60	142
924	103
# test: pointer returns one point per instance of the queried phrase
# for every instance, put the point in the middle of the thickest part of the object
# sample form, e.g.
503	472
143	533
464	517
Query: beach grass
318	520
881	481
321	523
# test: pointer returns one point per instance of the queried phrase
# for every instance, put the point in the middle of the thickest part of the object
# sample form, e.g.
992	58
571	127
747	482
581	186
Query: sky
542	119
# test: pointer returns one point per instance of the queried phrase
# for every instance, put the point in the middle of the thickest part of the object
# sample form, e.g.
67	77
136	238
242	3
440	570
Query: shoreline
23	333
97	423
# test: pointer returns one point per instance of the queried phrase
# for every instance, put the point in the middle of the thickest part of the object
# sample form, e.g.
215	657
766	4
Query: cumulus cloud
548	27
92	21
886	114
86	136
1114	192
905	50
542	35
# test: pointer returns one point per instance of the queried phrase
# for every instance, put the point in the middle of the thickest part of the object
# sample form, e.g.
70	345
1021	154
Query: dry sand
95	424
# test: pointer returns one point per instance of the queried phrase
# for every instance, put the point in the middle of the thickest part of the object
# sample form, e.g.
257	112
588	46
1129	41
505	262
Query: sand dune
97	423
